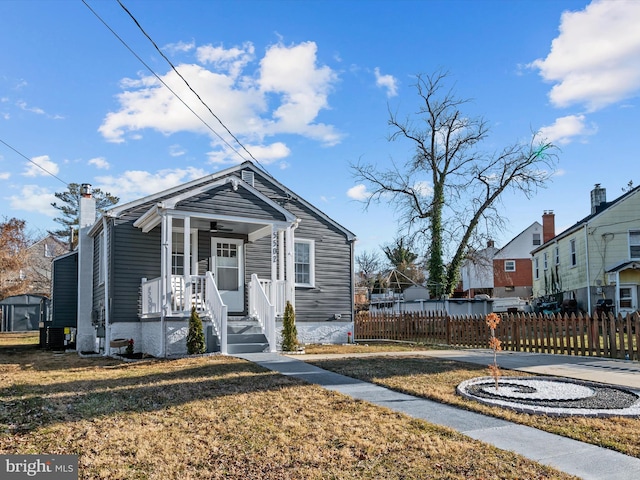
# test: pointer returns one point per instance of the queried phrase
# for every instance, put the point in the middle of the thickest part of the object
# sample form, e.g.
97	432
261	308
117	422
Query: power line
204	122
28	159
173	67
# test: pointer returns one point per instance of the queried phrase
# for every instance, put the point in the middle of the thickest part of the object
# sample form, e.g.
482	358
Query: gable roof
601	210
517	238
204	183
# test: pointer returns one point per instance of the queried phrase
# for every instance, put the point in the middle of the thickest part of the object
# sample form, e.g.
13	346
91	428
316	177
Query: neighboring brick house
512	271
597	258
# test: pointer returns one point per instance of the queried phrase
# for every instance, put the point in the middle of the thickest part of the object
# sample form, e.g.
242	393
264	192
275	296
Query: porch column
290	268
274	265
281	248
167	228
187	265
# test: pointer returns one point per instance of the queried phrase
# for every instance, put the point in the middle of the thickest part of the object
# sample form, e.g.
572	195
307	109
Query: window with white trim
572	253
509	265
536	268
556	254
304	262
545	261
536	239
634	244
177	251
49	250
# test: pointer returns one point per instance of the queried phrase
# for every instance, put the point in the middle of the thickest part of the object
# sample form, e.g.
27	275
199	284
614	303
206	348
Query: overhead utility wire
39	166
173	67
160	80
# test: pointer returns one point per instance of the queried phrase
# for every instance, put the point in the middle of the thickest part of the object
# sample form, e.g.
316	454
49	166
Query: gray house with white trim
236	245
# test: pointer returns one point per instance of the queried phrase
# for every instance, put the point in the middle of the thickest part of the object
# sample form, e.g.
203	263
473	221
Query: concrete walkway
570	456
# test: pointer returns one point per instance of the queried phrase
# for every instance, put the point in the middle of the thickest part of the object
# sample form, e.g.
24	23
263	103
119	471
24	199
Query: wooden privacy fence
605	336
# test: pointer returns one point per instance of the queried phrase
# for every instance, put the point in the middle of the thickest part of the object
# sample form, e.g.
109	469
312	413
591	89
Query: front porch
266	302
222	265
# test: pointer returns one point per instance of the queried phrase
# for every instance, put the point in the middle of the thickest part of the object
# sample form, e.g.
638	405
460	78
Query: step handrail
216	310
261	308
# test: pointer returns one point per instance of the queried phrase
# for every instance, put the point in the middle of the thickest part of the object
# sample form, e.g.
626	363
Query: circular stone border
553	396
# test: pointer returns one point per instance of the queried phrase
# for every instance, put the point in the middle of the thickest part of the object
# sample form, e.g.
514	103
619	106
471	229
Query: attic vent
247	176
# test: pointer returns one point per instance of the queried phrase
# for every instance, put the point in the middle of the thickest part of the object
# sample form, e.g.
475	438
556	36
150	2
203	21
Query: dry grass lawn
437	379
220	417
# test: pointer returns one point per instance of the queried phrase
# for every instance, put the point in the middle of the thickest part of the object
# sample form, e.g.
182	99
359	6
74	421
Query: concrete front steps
245	336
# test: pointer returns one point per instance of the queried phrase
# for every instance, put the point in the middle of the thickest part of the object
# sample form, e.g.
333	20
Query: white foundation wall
318	332
125	330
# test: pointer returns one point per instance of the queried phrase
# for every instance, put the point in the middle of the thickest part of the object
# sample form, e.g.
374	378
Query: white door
228	271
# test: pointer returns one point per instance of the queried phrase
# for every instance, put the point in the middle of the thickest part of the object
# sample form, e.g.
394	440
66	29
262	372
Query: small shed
22	313
60	328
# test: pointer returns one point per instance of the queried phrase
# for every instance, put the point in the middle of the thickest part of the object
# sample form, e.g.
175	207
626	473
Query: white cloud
565	129
263	153
595	61
39	165
99	162
134	184
176	150
4	175
358	192
387	81
23	106
423	188
33	198
179	47
283	95
231	60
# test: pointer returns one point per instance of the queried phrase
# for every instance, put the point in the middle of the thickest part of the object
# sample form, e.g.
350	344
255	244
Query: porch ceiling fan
216	227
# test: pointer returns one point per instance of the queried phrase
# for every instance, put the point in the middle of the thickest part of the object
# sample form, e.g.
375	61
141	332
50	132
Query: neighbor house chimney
87	206
548	225
490	244
598	198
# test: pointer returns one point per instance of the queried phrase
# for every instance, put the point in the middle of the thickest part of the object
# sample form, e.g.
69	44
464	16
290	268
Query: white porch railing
276	293
216	310
189	294
263	310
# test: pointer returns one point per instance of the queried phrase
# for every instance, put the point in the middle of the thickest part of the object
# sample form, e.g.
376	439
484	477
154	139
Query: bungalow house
598	258
236	245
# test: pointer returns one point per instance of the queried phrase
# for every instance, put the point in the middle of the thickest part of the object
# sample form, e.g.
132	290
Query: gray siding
136	255
64	275
333	261
225	201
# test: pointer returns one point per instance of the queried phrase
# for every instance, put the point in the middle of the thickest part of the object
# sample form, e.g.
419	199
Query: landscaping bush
195	338
289	330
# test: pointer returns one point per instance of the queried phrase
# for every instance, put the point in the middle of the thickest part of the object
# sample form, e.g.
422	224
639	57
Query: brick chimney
548	225
598	198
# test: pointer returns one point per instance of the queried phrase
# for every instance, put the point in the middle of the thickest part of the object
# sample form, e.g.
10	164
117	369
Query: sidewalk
577	458
624	373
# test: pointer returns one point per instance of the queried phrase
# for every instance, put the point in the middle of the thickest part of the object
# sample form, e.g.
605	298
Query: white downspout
107	313
586	247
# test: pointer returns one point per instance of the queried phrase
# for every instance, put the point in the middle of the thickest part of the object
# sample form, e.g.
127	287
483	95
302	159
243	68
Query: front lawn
220	417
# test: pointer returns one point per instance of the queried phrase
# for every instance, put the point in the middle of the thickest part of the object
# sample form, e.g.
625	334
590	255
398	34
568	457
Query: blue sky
306	86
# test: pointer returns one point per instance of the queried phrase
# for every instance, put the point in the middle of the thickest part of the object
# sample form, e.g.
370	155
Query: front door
228	271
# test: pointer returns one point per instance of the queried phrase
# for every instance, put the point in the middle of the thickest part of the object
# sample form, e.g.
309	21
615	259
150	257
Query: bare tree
14	242
369	266
451	187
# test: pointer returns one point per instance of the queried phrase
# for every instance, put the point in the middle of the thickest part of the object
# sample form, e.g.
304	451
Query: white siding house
597	258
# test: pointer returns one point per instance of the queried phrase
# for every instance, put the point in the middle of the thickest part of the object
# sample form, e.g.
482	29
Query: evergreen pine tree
195	337
289	330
